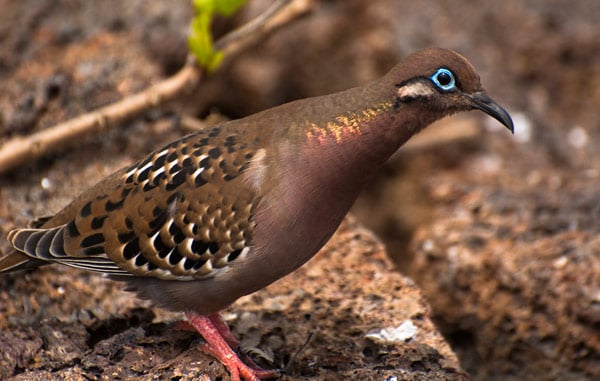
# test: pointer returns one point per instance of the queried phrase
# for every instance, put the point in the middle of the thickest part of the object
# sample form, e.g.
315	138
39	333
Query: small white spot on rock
560	262
577	137
428	246
45	183
405	331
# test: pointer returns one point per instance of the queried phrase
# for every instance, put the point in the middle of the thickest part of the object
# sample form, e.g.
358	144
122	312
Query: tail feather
29	244
45	244
14	261
32	238
36	247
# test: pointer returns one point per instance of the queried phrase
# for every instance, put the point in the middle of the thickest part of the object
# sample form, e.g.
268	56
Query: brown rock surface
513	273
60	323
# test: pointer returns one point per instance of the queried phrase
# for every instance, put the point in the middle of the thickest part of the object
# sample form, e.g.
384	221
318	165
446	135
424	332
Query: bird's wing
182	213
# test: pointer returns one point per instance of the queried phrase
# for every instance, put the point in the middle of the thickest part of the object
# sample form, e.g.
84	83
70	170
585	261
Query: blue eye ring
443	79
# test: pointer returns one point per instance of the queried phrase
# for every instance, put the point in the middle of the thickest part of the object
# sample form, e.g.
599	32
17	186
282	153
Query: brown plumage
226	211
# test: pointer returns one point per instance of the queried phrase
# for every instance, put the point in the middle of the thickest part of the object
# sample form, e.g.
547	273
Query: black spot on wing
161	249
86	210
175	168
158	178
94	250
178	179
199	180
157	211
175	257
188	264
214	132
142	176
97	222
172	156
199	264
126	237
125	192
92	240
112	206
233	255
140	260
131	249
157	222
199	247
72	229
145	162
214	153
159	162
230	143
213	247
176	233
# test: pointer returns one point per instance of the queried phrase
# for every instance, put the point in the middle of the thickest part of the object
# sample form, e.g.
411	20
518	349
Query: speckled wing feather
182	213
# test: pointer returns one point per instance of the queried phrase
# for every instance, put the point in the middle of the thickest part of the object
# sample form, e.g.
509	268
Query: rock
317	323
513	275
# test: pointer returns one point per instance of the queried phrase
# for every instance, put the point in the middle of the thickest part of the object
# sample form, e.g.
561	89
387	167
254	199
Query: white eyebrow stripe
415	90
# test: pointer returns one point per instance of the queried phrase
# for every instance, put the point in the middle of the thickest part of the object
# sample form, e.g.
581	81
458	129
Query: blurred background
499	231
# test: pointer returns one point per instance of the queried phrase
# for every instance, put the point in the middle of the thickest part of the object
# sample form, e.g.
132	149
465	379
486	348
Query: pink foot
217	347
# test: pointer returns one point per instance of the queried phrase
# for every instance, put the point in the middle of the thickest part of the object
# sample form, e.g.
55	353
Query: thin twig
276	16
19	150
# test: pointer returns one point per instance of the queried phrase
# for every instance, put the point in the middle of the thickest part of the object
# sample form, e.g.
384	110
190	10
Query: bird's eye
443	79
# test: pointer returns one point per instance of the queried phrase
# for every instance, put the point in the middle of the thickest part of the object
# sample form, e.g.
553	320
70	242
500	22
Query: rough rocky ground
499	232
85	327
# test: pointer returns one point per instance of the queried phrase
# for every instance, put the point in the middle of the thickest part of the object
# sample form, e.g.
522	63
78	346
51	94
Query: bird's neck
356	134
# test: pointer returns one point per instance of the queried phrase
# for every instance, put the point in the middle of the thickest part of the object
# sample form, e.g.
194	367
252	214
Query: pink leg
217	347
226	333
223	329
219	324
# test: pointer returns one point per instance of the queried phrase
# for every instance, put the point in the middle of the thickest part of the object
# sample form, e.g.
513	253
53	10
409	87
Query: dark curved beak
482	102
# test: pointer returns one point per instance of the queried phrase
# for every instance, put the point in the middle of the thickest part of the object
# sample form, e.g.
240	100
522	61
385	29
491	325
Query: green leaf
227	7
200	41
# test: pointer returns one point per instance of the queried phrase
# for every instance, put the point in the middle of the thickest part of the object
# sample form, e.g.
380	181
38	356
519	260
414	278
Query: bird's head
442	82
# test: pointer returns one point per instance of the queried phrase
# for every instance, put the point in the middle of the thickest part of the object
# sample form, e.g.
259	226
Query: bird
229	209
